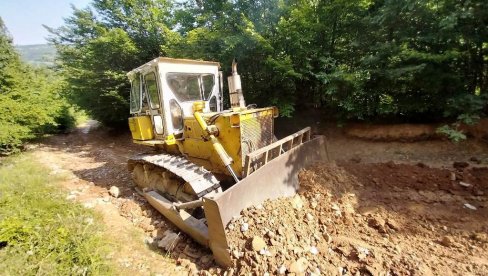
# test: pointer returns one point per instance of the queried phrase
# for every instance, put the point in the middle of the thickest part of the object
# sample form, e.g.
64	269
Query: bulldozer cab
165	89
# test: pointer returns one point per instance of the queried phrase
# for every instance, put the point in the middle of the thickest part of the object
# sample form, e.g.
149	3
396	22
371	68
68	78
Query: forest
368	60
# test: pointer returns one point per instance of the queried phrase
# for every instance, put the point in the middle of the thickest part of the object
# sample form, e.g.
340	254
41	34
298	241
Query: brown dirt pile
369	219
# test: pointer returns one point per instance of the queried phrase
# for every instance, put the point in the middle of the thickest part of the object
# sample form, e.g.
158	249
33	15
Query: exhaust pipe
235	88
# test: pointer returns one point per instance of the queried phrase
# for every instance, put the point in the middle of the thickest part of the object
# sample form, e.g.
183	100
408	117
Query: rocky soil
359	216
370	219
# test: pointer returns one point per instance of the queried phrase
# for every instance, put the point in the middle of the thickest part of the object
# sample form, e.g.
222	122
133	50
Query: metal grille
256	132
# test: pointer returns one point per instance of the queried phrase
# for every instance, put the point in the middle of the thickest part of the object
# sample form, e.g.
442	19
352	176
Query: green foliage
403	60
99	45
452	132
40	231
31	102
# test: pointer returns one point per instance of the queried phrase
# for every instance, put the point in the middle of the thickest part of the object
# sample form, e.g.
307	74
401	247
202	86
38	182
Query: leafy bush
41	233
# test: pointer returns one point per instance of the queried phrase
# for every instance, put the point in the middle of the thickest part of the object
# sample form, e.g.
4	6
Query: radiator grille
256	132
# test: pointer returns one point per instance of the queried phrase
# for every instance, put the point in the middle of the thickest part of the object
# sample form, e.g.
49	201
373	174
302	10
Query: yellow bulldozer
208	164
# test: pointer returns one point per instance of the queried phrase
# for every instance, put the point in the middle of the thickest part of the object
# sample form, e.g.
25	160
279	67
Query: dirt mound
368	219
397	132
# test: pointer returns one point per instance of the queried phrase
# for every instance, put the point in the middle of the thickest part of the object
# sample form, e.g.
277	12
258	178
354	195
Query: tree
31	101
100	44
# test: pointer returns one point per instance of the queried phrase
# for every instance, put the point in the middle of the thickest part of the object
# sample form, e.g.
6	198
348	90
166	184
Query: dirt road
369	217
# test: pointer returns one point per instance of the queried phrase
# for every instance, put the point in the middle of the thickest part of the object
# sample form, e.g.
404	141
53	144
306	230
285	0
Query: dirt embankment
411	132
369	219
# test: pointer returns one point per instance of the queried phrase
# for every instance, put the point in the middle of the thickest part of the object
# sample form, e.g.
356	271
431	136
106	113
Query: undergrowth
42	233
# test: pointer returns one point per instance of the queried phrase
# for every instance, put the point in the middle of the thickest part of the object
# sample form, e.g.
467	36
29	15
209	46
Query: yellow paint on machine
201	151
141	128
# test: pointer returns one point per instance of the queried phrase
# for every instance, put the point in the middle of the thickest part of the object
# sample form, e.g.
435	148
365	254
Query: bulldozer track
201	180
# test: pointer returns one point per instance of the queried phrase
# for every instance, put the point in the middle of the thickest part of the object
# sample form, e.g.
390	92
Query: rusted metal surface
278	178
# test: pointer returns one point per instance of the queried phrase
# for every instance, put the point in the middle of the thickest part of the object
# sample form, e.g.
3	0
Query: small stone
464	184
377	223
258	243
298	267
309	217
469	206
282	270
169	240
453	176
206	259
244	227
271	235
297	202
314	250
148	240
392	224
114	191
327	237
231	227
236	254
192	252
313	204
446	241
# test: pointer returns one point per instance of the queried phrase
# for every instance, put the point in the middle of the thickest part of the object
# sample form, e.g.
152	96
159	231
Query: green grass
42	233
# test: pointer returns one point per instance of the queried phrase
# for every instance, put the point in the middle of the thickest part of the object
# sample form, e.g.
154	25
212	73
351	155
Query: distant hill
38	54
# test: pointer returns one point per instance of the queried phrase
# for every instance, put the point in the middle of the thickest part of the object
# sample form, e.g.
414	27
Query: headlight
176	114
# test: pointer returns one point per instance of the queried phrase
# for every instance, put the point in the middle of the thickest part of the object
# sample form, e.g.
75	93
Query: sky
24	18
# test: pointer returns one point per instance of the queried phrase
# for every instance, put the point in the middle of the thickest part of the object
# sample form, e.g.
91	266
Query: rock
327	237
469	206
258	243
460	165
453	176
169	240
148	240
377	223
446	241
313	204
314	250
192	252
309	216
297	202
392	224
281	270
236	254
464	184
114	191
298	267
206	259
244	227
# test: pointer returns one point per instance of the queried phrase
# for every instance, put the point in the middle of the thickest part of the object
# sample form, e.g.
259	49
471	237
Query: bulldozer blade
183	220
278	178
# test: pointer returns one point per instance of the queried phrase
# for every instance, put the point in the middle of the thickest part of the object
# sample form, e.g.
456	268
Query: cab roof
158	60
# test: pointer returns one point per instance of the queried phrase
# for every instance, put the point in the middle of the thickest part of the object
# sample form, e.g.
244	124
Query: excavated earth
369	219
364	215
